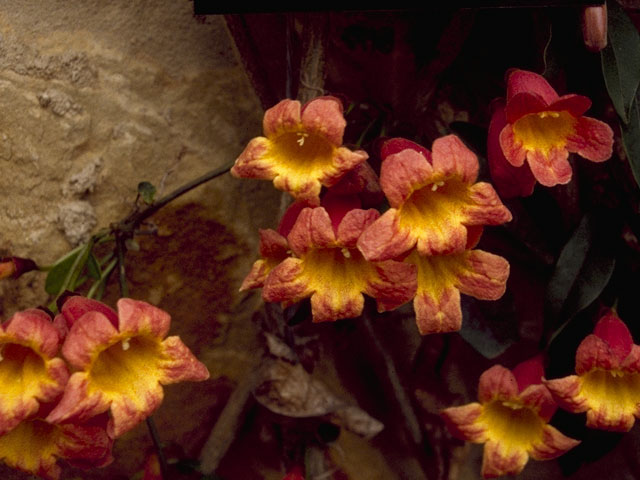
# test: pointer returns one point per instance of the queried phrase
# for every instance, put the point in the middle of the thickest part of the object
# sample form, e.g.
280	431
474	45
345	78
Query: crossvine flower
434	200
122	361
607	384
35	446
301	150
30	372
329	268
543	127
511	419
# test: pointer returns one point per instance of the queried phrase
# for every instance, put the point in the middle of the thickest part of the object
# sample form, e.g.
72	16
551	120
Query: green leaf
147	191
621	61
631	140
58	273
582	271
93	267
611	80
489	327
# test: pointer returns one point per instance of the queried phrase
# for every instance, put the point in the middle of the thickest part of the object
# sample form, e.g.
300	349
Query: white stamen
125	344
302	137
346	252
435	186
549	114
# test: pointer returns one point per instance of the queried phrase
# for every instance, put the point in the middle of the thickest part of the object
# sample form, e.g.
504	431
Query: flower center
21	371
434	206
341	269
437	273
302	153
29	444
611	389
126	367
544	131
512	424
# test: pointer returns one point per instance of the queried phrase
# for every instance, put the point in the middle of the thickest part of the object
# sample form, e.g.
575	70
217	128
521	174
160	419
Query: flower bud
594	27
15	266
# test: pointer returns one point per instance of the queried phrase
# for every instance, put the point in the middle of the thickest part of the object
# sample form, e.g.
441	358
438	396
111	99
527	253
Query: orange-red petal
592	140
497	382
498	460
462	422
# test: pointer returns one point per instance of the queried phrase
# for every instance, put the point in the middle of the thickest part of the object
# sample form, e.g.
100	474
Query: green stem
162	460
106	273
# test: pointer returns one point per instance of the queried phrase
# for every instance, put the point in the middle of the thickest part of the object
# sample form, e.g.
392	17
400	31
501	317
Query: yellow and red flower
30	372
273	250
543	128
607	384
35	445
511	419
330	269
441	279
122	360
434	198
301	150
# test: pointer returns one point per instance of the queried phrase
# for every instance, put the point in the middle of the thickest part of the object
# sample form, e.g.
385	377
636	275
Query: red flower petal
463	423
402	173
523	81
592	140
540	400
485	277
353	224
312	229
86	337
452	158
138	318
523	104
552	168
566	392
497	382
576	105
593	352
498	460
396	145
324	116
285	116
181	364
553	444
384	239
513	150
439	315
75	306
529	372
394	284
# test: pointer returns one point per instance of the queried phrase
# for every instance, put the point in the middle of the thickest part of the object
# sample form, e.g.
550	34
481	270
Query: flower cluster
512	419
537	125
332	250
109	377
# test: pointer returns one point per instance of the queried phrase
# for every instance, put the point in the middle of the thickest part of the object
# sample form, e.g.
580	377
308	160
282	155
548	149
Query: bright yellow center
343	270
130	367
544	130
612	391
301	153
29	443
513	425
22	372
432	208
439	272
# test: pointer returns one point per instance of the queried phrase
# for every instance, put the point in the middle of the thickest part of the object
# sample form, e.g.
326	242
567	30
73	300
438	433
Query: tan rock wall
96	97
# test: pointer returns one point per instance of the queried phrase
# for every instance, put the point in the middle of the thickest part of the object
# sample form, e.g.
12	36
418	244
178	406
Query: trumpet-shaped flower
607	384
122	360
511	419
441	279
543	128
301	149
35	445
434	199
332	271
30	373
